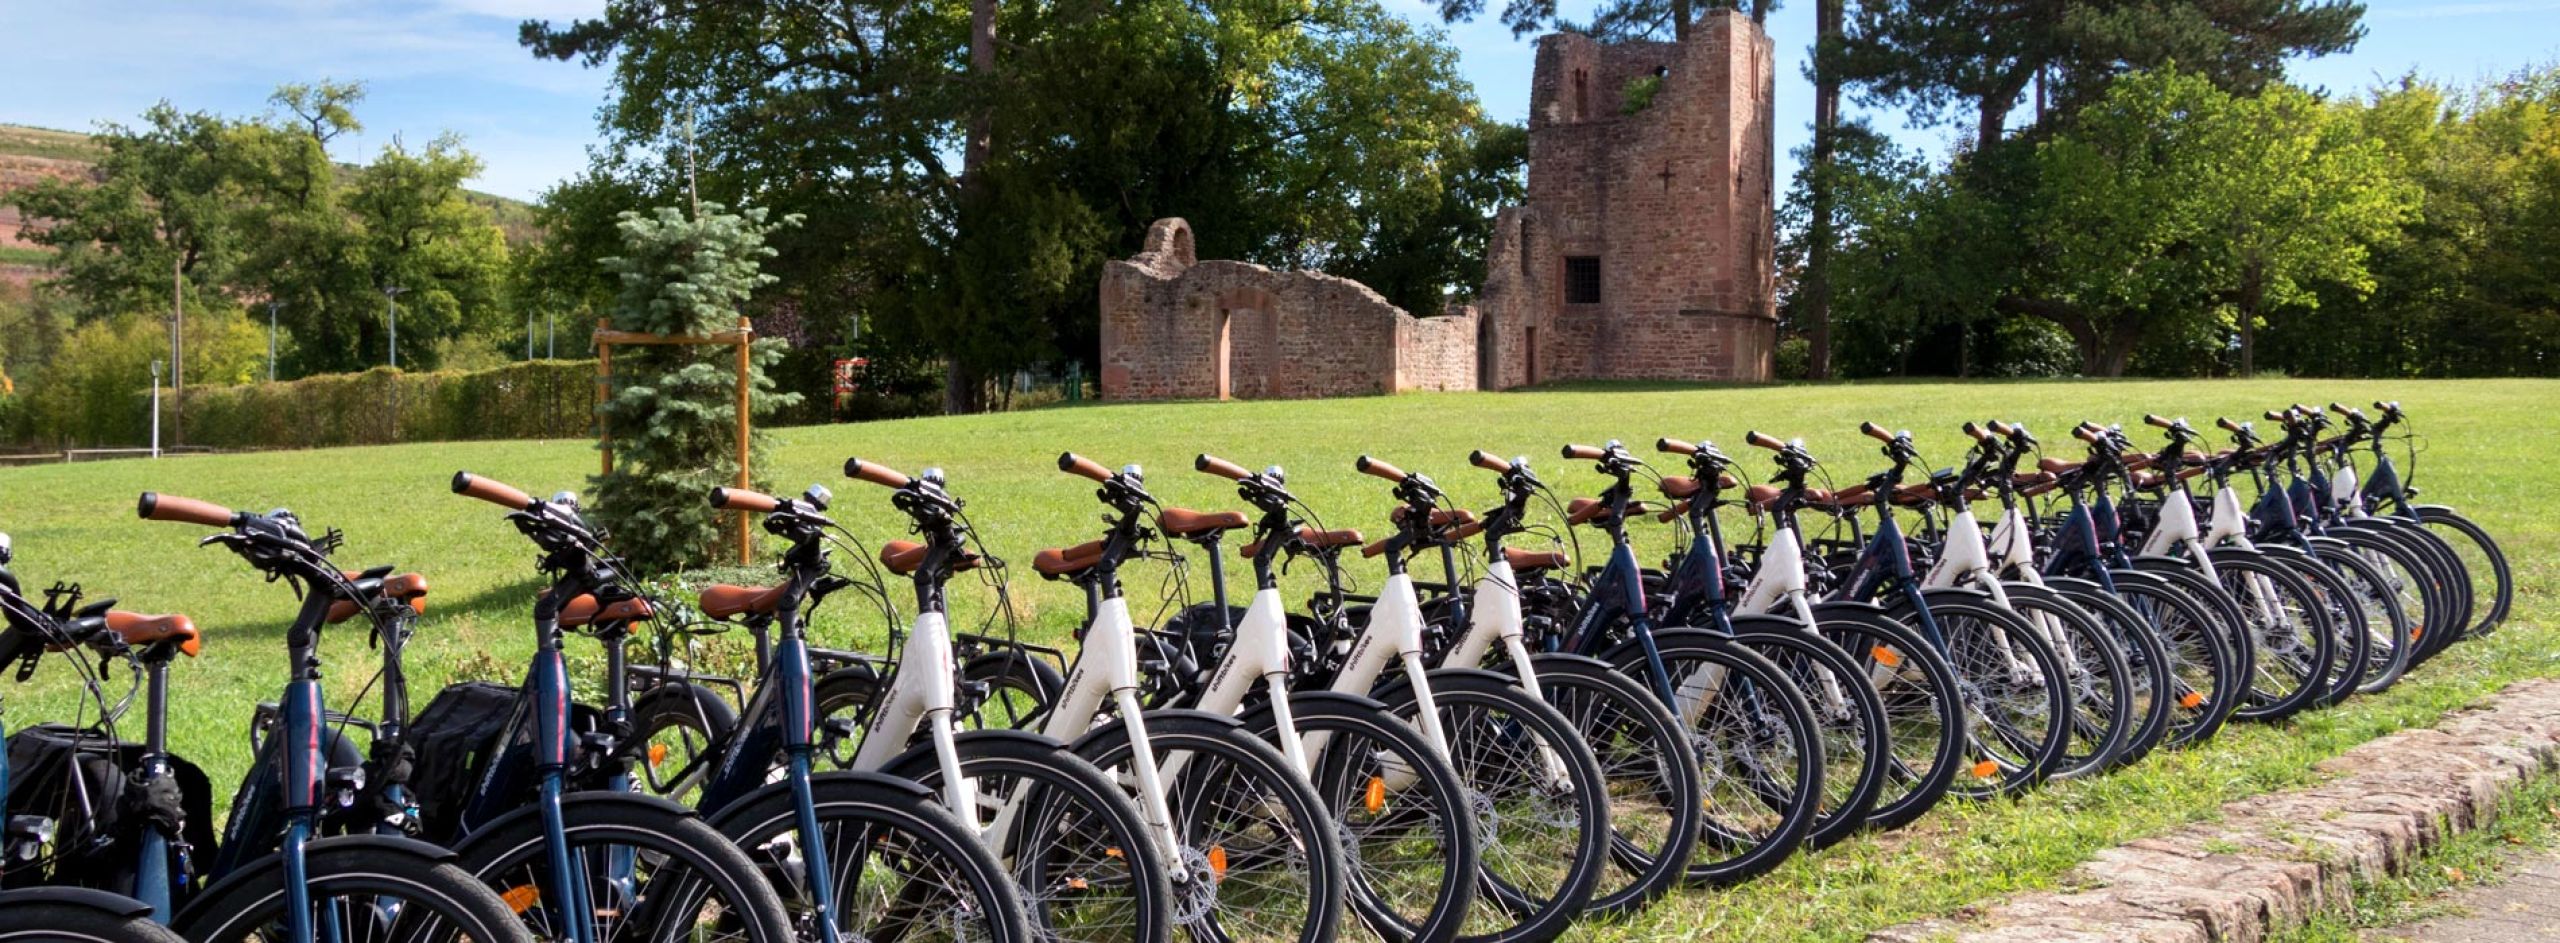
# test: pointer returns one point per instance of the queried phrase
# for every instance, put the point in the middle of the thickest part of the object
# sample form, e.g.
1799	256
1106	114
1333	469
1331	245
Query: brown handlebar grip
2392	406
1487	461
1370	466
1675	446
1875	432
1464	531
1763	440
1075	464
881	475
2227	425
2279	415
2085	433
2000	428
495	492
1584	451
741	499
1220	467
1977	432
2155	420
1375	548
170	507
2339	408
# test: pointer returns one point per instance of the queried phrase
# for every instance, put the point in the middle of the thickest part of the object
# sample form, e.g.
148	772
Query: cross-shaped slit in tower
1666	175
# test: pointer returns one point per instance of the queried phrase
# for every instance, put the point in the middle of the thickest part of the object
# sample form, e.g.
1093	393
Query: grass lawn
2488	450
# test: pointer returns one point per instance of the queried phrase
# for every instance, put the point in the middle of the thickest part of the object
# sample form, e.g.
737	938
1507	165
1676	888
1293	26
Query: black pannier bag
454	740
78	778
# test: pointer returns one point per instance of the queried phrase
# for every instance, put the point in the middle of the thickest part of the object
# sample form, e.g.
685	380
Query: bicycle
1252	852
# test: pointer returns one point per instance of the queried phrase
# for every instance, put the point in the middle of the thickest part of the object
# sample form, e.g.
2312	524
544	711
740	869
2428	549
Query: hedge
530	400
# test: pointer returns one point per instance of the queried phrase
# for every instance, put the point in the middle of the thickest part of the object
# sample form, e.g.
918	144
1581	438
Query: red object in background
849	374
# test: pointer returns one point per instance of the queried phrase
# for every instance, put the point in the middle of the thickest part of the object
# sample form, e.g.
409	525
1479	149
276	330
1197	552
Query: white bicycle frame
1965	559
923	693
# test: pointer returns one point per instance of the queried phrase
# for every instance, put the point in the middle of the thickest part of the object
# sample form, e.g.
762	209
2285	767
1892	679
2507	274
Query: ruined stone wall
1674	200
1174	327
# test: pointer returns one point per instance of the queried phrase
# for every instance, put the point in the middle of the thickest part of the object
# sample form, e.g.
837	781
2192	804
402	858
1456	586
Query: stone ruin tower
1645	250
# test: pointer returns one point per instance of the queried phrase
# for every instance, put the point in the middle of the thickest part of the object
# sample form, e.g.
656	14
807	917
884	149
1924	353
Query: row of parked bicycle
1489	750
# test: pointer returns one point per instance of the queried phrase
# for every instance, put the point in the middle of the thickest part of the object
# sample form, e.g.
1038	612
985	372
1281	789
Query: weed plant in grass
2487	450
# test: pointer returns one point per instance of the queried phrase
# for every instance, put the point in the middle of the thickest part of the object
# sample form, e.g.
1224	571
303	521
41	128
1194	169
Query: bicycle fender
113	905
1768	622
752	799
921	756
368	845
587	797
1311	704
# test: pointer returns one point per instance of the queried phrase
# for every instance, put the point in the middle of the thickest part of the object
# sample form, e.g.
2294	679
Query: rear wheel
2017	697
2206	683
639	867
2493	587
2106	705
1406	821
2147	665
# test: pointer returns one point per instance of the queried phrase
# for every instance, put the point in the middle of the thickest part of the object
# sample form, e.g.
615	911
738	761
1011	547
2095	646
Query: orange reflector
521	897
657	753
1377	797
1886	656
1111	852
1985	769
1075	884
2192	700
1218	862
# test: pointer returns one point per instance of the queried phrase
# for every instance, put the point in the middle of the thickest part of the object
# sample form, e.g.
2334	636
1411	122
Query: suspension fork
549	682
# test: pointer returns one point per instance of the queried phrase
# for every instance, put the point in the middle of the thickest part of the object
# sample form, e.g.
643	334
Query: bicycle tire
1411	852
511	855
2104	706
52	921
1846	708
2389	651
2147	662
1756	815
2351	636
2500	576
1233	759
244	905
1916	685
1652	771
2010	751
1506	744
2289	627
948	875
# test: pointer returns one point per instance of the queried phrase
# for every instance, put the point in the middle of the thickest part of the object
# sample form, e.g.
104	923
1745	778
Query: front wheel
2288	624
901	867
1257	858
1652	774
1541	802
1760	758
365	888
641	865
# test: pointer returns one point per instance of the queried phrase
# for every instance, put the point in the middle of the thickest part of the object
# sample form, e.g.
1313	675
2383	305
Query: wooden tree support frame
742	339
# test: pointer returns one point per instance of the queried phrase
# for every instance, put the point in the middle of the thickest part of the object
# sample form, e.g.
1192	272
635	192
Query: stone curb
2274	860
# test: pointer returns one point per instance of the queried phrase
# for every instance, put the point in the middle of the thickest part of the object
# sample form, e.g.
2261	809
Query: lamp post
391	294
271	340
155	408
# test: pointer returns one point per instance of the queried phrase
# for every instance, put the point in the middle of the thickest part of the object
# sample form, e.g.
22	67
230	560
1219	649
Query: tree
672	410
1272	126
1612	19
1975	59
2170	198
1417	256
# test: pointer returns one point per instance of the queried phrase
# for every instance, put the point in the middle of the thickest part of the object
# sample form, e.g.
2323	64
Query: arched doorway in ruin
1245	350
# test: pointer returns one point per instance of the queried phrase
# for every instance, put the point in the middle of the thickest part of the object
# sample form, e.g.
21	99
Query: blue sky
437	65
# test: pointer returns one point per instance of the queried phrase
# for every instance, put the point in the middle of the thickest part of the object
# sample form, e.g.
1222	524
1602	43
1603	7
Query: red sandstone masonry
1675	200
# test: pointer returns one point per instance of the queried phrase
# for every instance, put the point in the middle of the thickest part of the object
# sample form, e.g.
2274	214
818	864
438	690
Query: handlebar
2085	433
1764	441
1220	467
1370	466
1875	432
1487	461
741	499
1075	464
1978	434
1675	446
2155	420
881	475
491	490
1591	452
1998	427
2227	425
170	507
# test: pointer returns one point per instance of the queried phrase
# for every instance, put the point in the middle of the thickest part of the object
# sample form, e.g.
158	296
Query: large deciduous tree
1272	127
